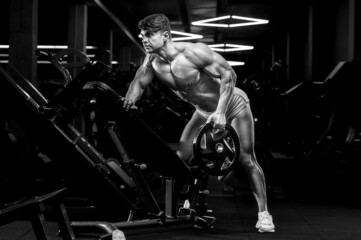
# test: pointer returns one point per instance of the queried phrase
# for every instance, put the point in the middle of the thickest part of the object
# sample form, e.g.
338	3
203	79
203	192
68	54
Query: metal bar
120	24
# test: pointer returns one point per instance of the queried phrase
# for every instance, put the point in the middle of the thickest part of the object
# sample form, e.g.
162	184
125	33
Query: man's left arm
217	67
228	82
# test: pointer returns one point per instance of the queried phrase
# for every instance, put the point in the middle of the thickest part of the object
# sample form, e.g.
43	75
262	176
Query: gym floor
295	218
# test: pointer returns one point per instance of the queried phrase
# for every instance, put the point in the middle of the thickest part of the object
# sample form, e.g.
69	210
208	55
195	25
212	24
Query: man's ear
166	35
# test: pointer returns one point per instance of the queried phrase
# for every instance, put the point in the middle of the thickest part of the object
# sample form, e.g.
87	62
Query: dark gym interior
74	165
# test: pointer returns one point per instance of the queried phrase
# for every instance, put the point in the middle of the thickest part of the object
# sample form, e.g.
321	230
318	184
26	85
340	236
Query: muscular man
204	79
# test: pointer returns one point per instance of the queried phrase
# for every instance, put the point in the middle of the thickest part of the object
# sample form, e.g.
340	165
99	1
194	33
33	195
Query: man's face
152	41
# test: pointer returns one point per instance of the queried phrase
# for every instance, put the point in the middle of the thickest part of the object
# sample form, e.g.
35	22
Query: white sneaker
265	222
118	235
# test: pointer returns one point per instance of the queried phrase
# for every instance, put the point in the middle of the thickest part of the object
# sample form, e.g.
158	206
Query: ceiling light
235	63
186	36
227	47
205	22
251	21
51	47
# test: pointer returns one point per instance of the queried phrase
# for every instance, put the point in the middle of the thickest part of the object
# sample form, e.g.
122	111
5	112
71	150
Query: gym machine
117	183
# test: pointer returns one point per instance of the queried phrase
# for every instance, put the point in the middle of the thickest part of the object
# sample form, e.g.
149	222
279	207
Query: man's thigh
244	126
185	146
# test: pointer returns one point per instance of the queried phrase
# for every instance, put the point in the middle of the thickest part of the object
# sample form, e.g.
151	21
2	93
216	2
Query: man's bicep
144	76
145	72
218	67
204	58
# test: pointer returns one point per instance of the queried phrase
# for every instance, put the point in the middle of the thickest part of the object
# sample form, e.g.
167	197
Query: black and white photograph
180	120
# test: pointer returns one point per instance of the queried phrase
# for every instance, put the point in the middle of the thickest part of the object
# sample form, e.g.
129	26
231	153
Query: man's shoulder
149	58
198	51
190	47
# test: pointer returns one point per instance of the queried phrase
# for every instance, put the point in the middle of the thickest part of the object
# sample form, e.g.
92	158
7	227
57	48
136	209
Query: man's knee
184	154
247	161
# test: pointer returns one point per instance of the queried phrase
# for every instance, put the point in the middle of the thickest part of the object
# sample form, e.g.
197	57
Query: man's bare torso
187	80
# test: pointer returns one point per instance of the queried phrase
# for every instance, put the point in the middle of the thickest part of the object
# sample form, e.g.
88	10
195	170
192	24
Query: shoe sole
266	230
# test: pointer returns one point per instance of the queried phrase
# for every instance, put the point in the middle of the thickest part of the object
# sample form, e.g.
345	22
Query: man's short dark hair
154	23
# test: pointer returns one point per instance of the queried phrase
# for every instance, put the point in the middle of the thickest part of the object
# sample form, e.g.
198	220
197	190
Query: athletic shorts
236	104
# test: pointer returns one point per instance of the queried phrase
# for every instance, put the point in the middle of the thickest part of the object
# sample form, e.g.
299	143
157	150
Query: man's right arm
143	77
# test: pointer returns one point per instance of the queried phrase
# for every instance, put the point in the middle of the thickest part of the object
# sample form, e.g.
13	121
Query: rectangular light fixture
206	23
227	47
51	47
210	22
39	62
252	21
235	63
185	36
47	62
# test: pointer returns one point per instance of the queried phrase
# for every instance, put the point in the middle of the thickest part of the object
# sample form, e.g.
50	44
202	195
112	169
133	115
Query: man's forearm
134	92
226	91
141	80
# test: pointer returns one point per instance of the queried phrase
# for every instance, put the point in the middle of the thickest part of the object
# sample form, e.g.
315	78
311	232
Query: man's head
155	31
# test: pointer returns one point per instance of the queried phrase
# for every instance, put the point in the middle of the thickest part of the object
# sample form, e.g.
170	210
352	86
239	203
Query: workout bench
33	209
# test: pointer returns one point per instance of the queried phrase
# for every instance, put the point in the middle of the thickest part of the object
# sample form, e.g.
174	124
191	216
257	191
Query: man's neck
168	52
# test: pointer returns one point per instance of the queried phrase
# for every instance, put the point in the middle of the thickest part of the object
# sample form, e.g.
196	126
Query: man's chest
180	73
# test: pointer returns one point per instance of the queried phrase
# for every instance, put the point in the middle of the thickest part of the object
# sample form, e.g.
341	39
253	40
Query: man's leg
185	146
244	125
